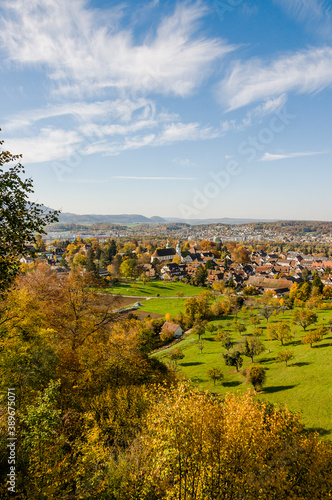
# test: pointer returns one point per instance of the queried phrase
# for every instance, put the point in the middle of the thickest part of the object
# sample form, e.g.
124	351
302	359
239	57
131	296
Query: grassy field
155	289
164	306
305	386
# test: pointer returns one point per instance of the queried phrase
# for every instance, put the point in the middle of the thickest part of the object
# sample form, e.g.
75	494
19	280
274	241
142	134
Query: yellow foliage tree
197	446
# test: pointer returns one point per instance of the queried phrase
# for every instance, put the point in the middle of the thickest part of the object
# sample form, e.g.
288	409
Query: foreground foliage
197	447
97	418
20	219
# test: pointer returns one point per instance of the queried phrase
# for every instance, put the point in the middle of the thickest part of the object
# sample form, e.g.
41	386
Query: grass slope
304	386
164	306
156	288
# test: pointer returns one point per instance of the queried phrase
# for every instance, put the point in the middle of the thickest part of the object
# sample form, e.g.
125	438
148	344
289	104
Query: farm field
155	289
304	385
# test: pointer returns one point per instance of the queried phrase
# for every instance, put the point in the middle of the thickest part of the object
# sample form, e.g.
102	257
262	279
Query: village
214	264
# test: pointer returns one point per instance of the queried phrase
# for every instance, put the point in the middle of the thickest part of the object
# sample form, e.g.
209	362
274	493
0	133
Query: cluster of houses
266	272
51	257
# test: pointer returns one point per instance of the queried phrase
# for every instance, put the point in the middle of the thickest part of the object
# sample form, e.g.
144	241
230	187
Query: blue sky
180	109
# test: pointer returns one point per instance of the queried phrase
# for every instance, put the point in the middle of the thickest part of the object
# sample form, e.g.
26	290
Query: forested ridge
296	227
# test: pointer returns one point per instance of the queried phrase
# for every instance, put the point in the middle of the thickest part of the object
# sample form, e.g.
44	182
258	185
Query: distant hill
69	218
224	220
87	219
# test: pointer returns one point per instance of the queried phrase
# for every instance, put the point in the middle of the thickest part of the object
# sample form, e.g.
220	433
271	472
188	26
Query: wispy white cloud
51	144
176	132
85	112
314	14
48	145
166	135
270	105
255	80
273	157
103	80
81	52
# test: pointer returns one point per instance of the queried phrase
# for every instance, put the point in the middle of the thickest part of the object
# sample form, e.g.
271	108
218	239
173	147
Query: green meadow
164	306
155	289
304	386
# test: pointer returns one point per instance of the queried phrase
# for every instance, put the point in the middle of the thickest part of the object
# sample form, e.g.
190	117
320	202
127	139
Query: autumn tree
279	331
285	356
312	337
40	243
218	308
128	268
327	292
197	308
241	255
304	291
198	446
225	339
304	318
254	320
218	286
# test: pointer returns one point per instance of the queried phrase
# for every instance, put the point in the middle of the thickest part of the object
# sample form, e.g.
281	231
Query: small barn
172	327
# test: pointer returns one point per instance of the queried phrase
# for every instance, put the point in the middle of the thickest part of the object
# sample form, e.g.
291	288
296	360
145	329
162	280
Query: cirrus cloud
82	53
255	80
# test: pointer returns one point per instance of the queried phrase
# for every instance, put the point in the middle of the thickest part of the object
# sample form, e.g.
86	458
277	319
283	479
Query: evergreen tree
200	276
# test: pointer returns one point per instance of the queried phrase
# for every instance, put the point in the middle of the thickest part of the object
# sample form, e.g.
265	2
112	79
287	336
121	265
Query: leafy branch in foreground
20	219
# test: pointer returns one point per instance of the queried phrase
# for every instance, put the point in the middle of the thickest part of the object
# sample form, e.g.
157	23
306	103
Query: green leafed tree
252	347
214	374
199	330
256	376
225	339
176	355
20	219
266	311
233	359
200	276
128	268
